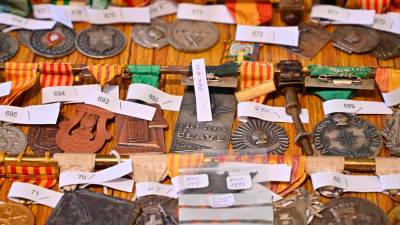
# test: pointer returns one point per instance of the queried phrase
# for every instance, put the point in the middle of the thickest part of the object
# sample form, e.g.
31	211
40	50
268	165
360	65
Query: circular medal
8	47
256	134
341	134
24	37
391	133
54	43
43	139
100	41
151	35
192	36
350	210
394	216
16	214
388	47
12	140
355	39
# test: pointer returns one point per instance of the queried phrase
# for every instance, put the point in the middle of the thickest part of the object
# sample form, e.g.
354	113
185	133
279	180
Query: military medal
236	51
100	41
355	39
388	46
43	139
8	47
394	216
55	43
151	211
15	214
152	35
24	36
260	134
12	140
341	134
391	133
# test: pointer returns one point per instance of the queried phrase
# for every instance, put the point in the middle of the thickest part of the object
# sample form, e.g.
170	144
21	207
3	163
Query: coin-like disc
388	47
43	139
391	133
394	216
100	41
8	47
15	214
355	39
151	35
256	133
341	134
12	140
24	36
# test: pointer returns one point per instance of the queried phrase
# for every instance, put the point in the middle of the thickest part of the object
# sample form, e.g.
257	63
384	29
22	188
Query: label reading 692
103	100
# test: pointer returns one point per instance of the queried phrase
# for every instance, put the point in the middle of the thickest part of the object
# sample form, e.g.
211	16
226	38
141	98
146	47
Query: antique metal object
192	36
190	134
138	135
86	131
12	140
24	36
151	212
169	209
391	133
8	47
151	35
355	39
342	81
15	214
341	134
244	50
43	139
350	210
341	3
260	134
84	207
290	81
394	216
312	39
54	43
100	41
291	11
388	46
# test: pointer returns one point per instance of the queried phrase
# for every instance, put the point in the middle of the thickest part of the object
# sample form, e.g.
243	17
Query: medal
151	212
388	47
12	140
43	139
15	214
100	41
152	35
394	216
341	134
355	39
8	47
391	133
24	36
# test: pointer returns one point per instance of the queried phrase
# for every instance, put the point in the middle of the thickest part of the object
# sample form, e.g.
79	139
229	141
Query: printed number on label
103	99
349	106
59	93
11	113
257	33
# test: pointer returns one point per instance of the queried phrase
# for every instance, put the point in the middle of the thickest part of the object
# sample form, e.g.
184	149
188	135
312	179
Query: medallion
43	139
236	51
100	41
15	214
151	212
8	47
135	135
394	216
351	211
190	134
341	134
55	43
388	47
355	39
192	36
391	133
169	209
12	140
260	134
151	35
86	131
312	39
24	36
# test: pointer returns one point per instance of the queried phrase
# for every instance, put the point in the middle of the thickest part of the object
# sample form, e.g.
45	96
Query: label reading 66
103	100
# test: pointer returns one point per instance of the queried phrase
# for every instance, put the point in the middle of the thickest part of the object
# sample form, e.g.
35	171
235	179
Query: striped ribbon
56	74
105	73
395	6
2	174
253	73
23	77
44	175
387	79
380	6
249	12
130	3
60	2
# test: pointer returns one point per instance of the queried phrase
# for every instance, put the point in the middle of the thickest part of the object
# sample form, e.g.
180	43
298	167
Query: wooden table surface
134	54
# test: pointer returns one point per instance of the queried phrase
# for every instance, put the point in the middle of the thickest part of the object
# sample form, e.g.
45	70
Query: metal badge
355	39
12	140
192	36
24	36
341	134
15	214
391	133
350	210
54	43
43	139
312	39
260	134
388	47
151	213
100	41
190	134
8	47
151	35
236	49
394	216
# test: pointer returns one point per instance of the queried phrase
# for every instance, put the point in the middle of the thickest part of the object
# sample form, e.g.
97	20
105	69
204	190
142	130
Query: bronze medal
354	39
388	47
15	214
394	216
43	139
391	133
151	212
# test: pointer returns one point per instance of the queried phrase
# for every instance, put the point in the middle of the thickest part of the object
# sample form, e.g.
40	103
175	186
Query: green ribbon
17	7
145	74
99	4
328	94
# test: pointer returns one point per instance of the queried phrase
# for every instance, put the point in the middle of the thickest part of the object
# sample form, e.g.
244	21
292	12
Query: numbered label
239	182
11	113
58	93
222	201
103	100
262	109
349	106
195	181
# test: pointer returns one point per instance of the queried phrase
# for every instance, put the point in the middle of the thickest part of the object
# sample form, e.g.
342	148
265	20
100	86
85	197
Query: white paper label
273	35
22	23
203	105
30	114
119	15
110	177
211	13
340	15
355	107
389	22
390	182
222	200
112	90
191	181
162	8
268	113
392	98
34	193
239	182
5	88
76	13
150	94
153	188
349	183
68	94
56	13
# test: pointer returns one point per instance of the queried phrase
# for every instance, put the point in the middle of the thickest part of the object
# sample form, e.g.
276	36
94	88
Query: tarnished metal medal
341	134
151	211
15	214
100	41
354	39
260	134
153	35
24	36
388	47
350	210
192	36
54	43
12	140
8	47
394	216
391	133
43	139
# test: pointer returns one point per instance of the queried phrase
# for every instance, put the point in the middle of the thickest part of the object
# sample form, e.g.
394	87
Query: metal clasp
340	79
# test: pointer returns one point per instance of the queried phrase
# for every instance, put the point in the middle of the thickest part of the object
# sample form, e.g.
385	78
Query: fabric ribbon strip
250	12
150	167
41	174
380	6
387	79
17	7
130	3
144	74
105	73
56	74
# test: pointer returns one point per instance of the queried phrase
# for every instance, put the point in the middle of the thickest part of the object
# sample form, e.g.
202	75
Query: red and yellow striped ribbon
41	175
130	3
380	6
56	74
387	79
253	73
105	73
2	174
395	6
23	77
250	12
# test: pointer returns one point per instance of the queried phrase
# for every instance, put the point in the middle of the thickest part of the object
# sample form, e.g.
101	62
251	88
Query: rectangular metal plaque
366	84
